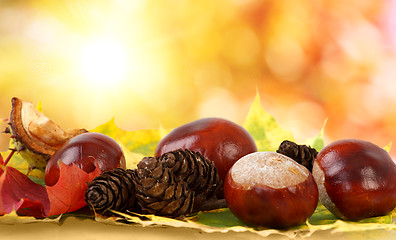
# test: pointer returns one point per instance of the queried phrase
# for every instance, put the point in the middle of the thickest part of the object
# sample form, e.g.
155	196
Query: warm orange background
151	63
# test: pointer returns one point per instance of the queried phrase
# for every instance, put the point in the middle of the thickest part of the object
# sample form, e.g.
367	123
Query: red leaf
19	193
67	195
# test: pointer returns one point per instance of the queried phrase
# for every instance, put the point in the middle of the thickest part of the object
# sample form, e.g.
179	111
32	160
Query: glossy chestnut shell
219	140
356	179
86	150
270	190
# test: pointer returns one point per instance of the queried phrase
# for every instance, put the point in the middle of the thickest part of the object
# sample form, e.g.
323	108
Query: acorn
35	136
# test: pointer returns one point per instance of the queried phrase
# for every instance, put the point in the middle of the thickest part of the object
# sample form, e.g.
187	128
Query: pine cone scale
157	190
142	173
157	206
183	172
172	207
147	163
166	176
179	191
169	193
157	172
148	182
146	200
188	203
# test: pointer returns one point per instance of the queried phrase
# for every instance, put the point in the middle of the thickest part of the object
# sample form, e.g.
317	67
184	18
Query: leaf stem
9	157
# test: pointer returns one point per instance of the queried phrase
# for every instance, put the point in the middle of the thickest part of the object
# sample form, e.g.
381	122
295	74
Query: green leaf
19	163
39	106
219	218
322	216
37	180
388	147
264	129
136	144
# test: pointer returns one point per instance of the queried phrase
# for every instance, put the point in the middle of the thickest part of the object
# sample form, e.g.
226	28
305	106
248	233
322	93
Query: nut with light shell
356	179
271	190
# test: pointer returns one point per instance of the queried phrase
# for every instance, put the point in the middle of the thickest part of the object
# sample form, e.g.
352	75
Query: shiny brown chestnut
86	150
356	179
219	140
271	190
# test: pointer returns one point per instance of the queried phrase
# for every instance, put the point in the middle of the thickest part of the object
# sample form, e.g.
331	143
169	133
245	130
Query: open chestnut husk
36	137
356	179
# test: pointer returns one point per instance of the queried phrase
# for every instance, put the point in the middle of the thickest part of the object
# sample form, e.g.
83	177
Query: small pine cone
303	154
159	191
198	172
112	189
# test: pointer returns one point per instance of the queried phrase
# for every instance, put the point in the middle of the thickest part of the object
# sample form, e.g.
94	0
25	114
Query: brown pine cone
303	154
198	172
177	183
159	191
112	189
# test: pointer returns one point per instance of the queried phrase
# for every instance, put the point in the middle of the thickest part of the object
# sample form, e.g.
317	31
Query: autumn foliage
20	194
67	195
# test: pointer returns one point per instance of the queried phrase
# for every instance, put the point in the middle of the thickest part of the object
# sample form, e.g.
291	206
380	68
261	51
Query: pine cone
303	154
112	189
198	172
177	183
159	191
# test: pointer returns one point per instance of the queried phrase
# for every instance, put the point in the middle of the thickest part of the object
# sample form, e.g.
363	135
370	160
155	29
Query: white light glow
103	62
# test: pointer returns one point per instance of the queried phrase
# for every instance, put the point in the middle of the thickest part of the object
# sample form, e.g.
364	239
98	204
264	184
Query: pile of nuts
353	179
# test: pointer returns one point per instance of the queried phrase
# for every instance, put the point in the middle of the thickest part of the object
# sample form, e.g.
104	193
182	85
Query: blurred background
165	63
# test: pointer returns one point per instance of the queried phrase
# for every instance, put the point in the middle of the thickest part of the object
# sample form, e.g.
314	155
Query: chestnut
356	179
219	140
86	150
271	190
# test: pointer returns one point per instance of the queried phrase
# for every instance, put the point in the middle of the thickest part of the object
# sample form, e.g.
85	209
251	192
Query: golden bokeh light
151	64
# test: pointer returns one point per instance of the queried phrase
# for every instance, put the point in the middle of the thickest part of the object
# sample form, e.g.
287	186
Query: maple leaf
19	193
135	144
266	132
68	194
